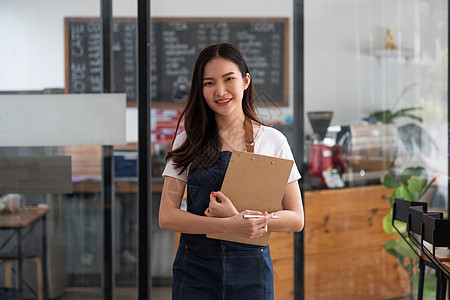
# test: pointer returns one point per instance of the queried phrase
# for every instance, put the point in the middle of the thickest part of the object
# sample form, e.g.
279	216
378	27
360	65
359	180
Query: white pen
259	216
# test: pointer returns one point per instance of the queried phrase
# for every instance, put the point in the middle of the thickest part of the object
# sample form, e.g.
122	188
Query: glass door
376	103
57	129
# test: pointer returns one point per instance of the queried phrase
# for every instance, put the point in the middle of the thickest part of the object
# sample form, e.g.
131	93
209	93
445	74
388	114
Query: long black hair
202	146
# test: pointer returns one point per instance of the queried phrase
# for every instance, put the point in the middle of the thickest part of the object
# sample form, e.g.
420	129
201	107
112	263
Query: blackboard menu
175	44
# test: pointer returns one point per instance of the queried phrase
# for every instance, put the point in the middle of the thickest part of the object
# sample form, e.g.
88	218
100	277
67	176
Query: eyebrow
224	75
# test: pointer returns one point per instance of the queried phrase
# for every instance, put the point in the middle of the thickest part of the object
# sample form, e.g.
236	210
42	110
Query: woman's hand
251	227
220	206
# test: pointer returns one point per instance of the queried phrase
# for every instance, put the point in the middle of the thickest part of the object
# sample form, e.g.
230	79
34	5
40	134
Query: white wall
32	48
341	71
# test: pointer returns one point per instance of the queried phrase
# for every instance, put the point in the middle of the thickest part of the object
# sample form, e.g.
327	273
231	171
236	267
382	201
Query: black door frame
108	275
298	98
144	157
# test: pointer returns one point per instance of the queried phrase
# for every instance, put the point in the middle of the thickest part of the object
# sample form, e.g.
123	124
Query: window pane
375	104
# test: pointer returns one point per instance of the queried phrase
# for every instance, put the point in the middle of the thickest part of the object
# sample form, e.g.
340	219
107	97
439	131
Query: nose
220	89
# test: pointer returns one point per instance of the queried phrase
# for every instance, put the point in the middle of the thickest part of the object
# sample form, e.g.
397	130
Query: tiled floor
158	293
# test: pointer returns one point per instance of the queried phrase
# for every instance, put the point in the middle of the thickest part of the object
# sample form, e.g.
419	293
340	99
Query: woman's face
224	86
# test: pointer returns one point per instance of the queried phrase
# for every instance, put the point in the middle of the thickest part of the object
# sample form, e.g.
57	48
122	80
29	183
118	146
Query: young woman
219	117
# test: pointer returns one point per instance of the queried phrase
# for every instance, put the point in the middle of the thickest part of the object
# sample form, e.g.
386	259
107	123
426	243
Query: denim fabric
213	269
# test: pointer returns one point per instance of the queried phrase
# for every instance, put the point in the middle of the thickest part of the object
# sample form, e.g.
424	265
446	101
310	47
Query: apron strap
249	141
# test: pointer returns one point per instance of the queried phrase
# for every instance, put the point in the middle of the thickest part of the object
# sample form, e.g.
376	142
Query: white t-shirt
268	141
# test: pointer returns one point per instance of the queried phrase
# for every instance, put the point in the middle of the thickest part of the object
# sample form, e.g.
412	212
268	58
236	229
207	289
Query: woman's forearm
289	221
182	221
291	216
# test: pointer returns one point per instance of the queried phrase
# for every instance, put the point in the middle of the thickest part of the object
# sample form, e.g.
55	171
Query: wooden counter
282	253
344	253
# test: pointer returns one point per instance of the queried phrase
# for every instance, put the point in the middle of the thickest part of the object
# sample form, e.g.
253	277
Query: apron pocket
243	274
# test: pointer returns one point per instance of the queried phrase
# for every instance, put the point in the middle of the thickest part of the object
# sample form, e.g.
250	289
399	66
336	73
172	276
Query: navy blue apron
214	269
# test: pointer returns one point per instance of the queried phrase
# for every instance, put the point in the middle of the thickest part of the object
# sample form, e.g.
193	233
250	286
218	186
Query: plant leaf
387	223
405	112
415	186
401	226
414	117
400	192
384	116
427	143
411	134
399	249
408	109
404	91
389	181
412	171
427	187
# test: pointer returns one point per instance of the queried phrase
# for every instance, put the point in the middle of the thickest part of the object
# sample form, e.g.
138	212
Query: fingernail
212	193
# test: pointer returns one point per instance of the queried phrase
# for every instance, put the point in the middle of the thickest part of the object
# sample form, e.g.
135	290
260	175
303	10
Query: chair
401	209
400	212
421	224
436	231
11	258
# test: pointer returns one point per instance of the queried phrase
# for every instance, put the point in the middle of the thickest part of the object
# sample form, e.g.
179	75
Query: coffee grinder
320	155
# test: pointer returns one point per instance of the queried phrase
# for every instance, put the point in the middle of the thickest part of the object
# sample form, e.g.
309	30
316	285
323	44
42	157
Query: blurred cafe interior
359	88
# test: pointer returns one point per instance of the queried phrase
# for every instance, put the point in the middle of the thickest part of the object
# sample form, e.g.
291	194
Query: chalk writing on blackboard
175	44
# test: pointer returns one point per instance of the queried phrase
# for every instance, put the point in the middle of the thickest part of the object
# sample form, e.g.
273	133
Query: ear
247	79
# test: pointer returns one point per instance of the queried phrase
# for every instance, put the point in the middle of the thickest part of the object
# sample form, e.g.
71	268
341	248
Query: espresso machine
320	155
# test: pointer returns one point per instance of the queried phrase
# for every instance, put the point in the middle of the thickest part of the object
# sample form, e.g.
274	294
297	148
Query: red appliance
320	159
320	155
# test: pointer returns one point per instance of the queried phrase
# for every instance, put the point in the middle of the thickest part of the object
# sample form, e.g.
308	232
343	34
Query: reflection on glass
381	68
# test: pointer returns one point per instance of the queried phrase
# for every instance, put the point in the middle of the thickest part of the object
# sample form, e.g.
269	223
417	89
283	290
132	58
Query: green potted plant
412	185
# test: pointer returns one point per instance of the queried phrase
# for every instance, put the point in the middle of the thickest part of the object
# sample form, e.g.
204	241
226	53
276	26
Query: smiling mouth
221	101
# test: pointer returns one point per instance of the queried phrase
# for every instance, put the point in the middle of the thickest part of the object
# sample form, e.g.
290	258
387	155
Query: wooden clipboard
255	182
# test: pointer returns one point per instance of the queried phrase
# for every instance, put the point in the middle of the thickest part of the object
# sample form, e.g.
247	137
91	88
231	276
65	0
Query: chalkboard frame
264	103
